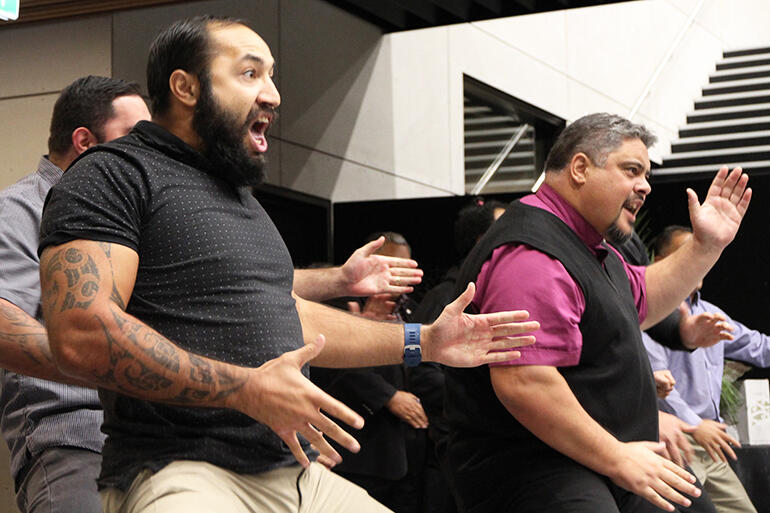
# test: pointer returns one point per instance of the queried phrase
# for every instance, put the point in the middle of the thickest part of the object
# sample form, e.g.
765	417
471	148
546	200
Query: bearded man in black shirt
165	284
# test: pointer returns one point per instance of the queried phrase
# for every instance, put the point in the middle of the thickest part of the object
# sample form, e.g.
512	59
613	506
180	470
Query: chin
618	235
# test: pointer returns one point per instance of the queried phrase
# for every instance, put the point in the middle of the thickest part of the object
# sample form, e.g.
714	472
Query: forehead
631	150
679	239
234	42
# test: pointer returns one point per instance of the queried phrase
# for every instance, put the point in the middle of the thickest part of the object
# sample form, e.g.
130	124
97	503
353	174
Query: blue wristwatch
412	349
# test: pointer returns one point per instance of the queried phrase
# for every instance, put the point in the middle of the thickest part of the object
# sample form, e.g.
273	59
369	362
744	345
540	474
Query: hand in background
408	408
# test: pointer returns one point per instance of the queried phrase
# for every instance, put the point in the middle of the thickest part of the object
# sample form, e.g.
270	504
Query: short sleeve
101	197
518	277
20	269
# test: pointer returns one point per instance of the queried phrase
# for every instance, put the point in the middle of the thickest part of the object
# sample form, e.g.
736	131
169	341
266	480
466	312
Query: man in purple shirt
695	399
572	425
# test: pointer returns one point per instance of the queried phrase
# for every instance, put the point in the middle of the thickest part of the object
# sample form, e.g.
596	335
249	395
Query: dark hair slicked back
596	135
86	102
182	45
664	238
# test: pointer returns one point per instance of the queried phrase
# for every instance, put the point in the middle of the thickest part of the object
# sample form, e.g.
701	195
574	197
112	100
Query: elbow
71	344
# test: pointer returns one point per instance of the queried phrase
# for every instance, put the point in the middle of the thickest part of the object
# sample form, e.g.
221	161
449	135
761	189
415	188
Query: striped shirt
36	414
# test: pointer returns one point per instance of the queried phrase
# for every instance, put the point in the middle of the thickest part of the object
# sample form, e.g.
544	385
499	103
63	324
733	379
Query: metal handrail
492	169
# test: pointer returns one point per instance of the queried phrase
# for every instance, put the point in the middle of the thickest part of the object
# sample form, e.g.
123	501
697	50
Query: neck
63	161
180	124
571	193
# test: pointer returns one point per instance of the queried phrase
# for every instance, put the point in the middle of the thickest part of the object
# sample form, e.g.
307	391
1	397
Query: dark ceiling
395	15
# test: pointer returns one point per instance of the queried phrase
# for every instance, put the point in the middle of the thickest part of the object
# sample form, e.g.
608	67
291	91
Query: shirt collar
49	171
572	218
169	144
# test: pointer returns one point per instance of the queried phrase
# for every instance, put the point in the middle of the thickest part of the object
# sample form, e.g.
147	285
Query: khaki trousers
194	486
720	482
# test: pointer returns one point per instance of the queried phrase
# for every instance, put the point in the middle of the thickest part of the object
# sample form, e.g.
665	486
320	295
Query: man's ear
82	139
185	87
579	166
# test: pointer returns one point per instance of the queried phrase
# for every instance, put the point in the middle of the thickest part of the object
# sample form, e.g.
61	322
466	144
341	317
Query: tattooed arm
85	285
24	346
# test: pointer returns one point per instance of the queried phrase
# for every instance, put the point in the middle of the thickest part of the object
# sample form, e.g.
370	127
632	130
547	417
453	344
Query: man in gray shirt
52	429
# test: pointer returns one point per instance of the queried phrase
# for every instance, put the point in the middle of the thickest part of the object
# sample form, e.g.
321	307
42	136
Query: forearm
541	400
319	284
672	279
351	341
24	347
666	332
84	286
112	349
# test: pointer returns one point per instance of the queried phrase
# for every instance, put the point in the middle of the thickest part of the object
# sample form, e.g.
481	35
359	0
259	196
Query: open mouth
633	207
258	130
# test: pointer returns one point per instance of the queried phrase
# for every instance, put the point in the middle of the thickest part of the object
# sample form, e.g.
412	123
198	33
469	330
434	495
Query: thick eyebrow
256	59
637	164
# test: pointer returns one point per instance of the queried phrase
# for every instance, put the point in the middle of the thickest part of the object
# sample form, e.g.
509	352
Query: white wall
36	62
569	63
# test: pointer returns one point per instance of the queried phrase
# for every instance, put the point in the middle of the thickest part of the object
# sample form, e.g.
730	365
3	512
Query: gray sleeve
19	263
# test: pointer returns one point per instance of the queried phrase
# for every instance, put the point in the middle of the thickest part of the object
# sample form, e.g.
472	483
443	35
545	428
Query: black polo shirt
214	277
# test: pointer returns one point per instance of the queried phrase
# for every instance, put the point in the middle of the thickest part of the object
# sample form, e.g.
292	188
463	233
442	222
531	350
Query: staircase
487	131
730	124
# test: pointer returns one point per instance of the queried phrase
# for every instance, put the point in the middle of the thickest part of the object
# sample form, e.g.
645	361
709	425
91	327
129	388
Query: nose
268	95
643	187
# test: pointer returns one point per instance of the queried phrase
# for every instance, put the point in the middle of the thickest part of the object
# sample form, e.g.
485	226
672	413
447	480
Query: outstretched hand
278	395
704	329
716	221
366	274
458	339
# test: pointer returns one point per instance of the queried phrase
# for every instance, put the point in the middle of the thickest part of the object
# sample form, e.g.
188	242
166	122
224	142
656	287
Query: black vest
613	380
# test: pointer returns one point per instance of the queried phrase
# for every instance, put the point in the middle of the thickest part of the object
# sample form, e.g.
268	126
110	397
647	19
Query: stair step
734	112
736	86
717	156
725	127
754	166
524	141
488	120
489	157
749	61
740	74
729	99
730	140
490	132
739	52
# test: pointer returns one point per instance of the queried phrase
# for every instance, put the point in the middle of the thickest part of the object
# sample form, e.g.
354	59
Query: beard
223	140
616	235
614	232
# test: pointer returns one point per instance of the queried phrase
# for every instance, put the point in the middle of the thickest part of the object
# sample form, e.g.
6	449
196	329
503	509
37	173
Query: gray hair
596	135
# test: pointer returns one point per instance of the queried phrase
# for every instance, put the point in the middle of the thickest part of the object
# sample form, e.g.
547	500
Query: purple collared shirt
519	277
699	374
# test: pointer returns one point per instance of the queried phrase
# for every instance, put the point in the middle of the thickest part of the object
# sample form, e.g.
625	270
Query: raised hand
672	429
278	395
366	274
716	221
704	329
458	339
712	436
